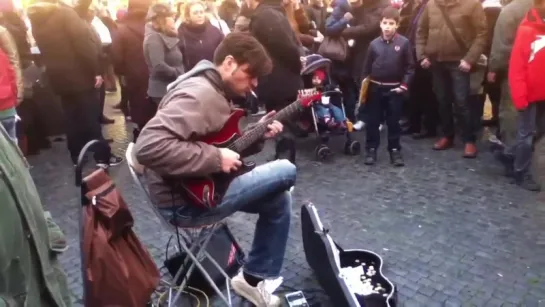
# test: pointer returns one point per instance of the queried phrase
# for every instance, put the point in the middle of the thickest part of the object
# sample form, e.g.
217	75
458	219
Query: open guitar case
327	259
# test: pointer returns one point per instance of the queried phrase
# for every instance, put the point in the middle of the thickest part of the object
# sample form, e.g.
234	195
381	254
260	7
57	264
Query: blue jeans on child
10	124
331	110
383	103
262	191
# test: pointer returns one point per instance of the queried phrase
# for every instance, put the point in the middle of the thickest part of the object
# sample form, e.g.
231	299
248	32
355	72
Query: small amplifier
296	299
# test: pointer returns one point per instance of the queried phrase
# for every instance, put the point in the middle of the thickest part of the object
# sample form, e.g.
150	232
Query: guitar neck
256	134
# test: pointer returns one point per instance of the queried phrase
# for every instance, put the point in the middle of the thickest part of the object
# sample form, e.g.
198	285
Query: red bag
119	271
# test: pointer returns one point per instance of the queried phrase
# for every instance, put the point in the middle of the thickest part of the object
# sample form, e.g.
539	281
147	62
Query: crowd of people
429	66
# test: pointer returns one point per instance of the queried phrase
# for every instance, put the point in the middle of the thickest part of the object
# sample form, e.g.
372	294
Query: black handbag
225	250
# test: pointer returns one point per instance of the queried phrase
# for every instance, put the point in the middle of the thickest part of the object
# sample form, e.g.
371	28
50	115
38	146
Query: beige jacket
10	48
435	41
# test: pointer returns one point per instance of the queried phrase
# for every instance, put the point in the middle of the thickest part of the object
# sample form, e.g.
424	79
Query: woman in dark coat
129	62
198	37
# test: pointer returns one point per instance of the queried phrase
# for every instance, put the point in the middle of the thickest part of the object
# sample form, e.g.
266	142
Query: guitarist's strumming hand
274	128
230	160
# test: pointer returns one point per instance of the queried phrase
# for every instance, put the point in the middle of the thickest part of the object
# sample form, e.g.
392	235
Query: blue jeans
329	110
530	130
263	191
10	125
451	87
383	103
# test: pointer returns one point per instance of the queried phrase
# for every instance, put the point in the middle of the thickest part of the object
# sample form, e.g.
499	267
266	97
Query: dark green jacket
30	274
504	34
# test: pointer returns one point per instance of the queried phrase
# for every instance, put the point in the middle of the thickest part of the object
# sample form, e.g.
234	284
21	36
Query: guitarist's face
239	79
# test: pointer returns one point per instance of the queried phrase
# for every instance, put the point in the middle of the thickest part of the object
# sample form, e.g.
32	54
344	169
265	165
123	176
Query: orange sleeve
518	67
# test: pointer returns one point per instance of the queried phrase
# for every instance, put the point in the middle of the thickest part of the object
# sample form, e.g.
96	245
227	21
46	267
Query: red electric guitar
207	192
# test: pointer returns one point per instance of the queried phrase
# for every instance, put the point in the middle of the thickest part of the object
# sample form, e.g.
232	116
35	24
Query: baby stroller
332	99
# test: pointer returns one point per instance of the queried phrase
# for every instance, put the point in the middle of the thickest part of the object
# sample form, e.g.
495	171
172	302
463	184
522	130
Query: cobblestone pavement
452	232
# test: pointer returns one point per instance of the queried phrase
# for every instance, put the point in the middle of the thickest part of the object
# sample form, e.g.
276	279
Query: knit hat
320	74
314	62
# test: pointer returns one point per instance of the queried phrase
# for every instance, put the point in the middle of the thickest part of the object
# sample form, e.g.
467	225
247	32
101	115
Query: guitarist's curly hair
245	49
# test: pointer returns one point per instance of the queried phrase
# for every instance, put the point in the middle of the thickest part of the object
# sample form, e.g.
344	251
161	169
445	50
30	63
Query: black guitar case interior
327	259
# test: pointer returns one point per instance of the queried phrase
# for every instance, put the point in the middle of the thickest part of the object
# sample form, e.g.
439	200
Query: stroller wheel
352	148
323	152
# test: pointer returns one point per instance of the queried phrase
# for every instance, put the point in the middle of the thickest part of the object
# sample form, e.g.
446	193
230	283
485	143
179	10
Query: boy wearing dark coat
389	66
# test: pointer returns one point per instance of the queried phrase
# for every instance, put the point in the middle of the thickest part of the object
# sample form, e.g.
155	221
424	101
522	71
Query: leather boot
470	151
443	143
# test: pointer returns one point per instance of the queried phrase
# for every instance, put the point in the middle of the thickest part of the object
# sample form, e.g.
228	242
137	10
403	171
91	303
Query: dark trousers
124	101
451	87
33	125
102	101
383	104
81	111
530	130
423	105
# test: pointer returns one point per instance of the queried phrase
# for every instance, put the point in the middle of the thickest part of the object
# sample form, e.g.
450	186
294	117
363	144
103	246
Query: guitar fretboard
252	136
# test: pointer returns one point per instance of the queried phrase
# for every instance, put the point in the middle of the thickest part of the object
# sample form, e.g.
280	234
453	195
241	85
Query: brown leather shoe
443	143
470	151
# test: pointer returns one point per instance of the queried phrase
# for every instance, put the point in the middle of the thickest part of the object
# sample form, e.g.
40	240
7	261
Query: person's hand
274	128
230	160
491	77
425	63
398	90
464	66
98	81
319	37
348	16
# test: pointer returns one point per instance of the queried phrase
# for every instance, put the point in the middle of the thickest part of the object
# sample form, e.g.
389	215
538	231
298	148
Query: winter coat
7	44
364	28
68	47
434	39
504	34
30	273
8	87
527	62
198	42
164	59
318	15
129	62
270	26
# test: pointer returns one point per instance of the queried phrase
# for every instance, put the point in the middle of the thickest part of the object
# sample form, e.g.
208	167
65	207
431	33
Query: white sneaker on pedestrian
261	296
359	125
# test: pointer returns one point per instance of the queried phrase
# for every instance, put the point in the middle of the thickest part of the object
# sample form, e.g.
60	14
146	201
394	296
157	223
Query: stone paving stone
452	232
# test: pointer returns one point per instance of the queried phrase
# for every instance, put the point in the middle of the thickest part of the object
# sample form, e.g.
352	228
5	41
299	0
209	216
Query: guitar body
207	192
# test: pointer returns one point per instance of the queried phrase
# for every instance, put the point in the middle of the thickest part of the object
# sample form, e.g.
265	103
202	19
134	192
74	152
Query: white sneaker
359	125
261	296
381	127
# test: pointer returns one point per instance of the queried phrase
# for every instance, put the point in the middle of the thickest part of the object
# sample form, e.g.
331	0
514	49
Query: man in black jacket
270	26
71	59
272	29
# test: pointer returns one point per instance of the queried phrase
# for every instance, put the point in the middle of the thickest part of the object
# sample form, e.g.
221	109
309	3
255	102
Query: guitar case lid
327	259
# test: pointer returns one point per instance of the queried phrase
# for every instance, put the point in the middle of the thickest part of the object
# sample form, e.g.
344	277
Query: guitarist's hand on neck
274	128
230	160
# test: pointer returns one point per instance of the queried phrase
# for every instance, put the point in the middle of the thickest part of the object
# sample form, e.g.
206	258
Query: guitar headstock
308	96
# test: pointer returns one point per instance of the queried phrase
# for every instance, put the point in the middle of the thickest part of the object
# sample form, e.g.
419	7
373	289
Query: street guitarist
196	105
